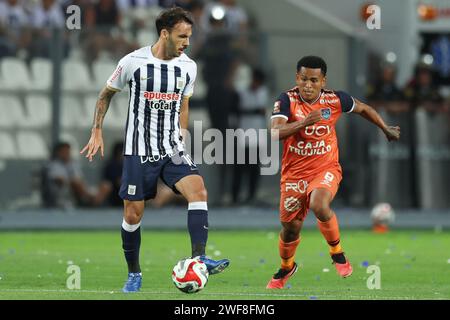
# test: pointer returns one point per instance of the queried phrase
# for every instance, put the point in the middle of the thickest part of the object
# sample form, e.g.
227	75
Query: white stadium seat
73	114
11	111
120	105
89	109
8	146
102	71
146	38
31	146
14	74
75	76
41	71
38	111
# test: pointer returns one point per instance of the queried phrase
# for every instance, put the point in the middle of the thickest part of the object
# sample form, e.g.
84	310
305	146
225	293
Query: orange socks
330	231
287	253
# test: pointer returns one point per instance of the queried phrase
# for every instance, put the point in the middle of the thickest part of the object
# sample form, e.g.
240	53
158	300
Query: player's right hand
95	143
392	133
312	117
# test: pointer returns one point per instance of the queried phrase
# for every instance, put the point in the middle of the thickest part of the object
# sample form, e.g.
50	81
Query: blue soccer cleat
214	266
133	283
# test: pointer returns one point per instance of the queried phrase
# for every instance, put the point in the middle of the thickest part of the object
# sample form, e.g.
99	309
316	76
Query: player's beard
172	50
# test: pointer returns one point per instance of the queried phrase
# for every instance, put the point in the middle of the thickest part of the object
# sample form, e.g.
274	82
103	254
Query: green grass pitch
413	265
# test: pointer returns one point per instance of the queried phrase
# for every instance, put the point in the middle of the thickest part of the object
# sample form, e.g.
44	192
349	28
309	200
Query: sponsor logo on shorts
131	190
327	179
299	186
155	158
292	204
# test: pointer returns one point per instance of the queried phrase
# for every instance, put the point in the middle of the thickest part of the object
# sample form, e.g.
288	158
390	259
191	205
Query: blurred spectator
46	16
220	63
252	116
237	20
197	40
177	3
14	28
132	4
385	87
104	21
236	17
422	92
62	181
385	93
137	14
108	193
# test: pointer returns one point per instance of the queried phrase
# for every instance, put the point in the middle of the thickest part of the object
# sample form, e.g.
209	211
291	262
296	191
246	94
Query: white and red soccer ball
190	275
382	214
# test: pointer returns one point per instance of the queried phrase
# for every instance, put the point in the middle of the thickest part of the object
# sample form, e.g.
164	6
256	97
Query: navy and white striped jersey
157	88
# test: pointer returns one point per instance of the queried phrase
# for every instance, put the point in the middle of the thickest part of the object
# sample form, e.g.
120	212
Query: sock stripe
334	243
130	227
199	205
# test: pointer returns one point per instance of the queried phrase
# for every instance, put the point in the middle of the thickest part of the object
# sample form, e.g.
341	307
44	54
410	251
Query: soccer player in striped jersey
161	80
305	118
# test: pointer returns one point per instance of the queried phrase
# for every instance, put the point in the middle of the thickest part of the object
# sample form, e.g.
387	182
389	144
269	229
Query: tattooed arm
96	140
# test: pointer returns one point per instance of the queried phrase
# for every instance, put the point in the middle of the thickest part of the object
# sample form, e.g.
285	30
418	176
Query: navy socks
198	227
131	243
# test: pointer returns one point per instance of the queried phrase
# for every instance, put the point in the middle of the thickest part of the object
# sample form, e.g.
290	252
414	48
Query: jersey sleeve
347	101
120	76
282	107
190	79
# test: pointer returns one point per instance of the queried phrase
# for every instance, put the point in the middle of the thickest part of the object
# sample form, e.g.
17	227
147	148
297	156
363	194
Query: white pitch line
292	295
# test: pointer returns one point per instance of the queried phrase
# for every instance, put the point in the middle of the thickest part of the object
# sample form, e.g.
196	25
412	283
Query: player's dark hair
170	17
312	62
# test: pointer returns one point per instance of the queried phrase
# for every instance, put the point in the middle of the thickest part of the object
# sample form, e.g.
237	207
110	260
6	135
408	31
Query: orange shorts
294	200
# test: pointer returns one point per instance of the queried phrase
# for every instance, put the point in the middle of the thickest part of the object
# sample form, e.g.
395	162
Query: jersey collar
310	104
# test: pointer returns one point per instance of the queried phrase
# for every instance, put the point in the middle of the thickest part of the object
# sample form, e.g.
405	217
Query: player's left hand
392	133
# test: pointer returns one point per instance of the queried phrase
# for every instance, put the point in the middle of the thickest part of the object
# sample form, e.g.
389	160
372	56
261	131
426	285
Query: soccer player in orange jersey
305	118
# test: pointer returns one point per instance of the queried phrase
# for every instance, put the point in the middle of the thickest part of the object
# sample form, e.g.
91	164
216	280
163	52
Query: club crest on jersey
326	113
180	83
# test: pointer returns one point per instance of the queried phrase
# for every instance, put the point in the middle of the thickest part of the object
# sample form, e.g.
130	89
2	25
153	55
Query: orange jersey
314	148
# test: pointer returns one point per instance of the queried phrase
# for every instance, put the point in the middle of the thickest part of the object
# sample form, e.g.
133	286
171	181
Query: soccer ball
190	275
382	214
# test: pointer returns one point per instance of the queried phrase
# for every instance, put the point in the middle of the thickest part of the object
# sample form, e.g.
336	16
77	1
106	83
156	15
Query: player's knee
291	231
290	235
321	209
132	214
199	195
132	218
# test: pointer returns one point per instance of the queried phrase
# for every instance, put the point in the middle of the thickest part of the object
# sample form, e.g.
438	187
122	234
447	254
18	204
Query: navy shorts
140	174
